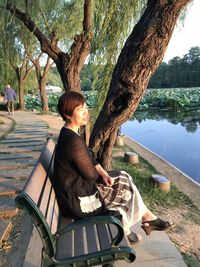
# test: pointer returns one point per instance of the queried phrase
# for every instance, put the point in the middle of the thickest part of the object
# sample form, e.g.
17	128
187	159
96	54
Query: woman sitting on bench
83	187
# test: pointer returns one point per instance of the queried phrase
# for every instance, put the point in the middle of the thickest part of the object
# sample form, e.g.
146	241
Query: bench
96	240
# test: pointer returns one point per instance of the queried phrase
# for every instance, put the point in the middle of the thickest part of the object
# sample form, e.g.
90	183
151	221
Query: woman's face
80	116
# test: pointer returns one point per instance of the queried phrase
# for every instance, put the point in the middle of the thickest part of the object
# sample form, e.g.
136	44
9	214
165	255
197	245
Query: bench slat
65	242
92	239
55	219
44	204
80	244
65	246
47	153
35	184
104	236
51	214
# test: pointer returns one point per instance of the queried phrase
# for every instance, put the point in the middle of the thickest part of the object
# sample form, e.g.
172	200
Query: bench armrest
96	220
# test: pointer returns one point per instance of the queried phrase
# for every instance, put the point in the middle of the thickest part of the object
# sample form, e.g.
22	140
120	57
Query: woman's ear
67	118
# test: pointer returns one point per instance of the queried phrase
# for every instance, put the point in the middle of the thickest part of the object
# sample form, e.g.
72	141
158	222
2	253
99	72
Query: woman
83	187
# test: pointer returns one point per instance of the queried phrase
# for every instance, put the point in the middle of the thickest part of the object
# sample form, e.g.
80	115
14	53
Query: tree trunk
21	94
42	81
22	74
141	55
44	98
20	88
69	68
43	93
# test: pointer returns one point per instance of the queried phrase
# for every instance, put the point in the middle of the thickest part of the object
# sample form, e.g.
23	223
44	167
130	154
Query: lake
173	136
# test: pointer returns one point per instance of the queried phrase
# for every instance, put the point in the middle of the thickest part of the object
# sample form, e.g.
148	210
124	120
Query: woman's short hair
68	102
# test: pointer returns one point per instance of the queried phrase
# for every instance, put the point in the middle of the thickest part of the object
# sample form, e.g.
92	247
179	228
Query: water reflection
189	120
174	136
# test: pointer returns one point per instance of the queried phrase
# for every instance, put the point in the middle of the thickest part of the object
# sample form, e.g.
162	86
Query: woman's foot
155	225
133	237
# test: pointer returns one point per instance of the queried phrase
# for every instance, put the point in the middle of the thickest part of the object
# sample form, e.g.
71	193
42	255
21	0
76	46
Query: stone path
19	152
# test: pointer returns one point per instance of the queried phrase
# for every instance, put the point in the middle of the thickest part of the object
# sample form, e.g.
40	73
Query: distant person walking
10	97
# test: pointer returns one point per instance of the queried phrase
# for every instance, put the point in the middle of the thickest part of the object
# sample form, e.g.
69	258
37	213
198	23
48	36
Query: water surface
173	136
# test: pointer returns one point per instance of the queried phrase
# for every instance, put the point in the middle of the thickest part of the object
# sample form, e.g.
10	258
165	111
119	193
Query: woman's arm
105	176
78	154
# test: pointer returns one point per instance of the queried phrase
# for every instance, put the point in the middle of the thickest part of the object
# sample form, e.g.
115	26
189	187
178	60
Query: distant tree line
178	72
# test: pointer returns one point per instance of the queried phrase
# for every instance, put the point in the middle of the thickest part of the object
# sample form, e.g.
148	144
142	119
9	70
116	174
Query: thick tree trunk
21	94
20	88
43	93
22	74
42	81
141	55
44	98
68	65
70	68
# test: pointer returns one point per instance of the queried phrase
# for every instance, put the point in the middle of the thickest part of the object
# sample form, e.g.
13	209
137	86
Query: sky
185	36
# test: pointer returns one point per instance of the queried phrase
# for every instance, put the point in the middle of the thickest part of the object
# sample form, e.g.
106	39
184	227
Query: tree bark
68	65
21	86
43	93
41	79
141	55
22	74
21	94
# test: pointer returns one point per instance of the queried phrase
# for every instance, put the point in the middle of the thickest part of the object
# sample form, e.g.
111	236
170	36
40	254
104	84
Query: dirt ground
186	232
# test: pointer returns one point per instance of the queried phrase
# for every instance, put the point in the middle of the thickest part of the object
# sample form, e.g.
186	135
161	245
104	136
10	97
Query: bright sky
186	36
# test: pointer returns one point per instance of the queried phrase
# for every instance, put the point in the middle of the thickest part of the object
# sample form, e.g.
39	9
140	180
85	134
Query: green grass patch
152	195
190	260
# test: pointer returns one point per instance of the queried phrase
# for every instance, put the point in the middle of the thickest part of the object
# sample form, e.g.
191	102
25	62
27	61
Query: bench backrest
38	198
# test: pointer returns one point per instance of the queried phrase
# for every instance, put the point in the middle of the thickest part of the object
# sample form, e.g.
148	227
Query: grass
190	261
153	196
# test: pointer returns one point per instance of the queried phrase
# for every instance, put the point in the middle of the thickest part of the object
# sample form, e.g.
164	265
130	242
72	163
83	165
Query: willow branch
46	45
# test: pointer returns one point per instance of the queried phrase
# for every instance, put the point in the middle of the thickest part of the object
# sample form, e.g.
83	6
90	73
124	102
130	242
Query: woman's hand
108	181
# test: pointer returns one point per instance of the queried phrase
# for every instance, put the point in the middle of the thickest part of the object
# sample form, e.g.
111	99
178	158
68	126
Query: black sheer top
75	176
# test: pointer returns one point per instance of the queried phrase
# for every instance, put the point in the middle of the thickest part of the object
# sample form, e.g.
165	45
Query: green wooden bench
97	240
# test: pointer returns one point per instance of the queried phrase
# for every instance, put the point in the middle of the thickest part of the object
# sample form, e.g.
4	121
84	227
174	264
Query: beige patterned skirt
125	198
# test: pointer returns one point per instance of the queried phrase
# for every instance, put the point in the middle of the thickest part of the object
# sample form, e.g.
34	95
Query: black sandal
156	225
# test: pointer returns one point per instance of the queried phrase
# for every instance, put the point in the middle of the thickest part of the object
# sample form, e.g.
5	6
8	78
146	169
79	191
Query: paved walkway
19	151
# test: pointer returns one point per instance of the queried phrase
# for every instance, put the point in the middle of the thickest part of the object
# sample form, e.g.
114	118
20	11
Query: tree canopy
178	72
